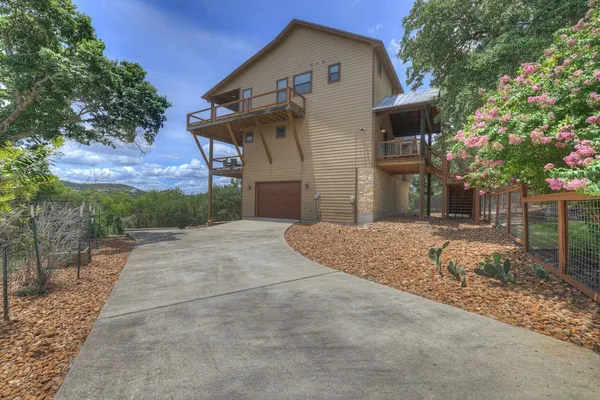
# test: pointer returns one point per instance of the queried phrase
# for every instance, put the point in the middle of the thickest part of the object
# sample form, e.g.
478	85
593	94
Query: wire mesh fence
515	226
39	237
562	231
542	228
583	262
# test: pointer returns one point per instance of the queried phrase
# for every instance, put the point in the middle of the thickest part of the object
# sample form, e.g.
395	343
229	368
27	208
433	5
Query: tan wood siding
330	134
382	85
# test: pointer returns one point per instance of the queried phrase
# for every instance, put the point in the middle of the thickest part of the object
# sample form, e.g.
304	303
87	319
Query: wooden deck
227	122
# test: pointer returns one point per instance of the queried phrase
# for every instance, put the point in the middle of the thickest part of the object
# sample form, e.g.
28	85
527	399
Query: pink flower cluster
450	156
583	154
543	100
476	141
593	120
594	96
565	133
555	183
514	139
529	68
537	136
505	118
567	184
548	166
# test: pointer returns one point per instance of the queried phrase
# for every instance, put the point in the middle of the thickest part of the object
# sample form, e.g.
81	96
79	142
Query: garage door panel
278	200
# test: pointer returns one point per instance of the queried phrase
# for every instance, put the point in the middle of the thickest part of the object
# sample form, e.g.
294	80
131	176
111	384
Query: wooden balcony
227	166
226	122
402	156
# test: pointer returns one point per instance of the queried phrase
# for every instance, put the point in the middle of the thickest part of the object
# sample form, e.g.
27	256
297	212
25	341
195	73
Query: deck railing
258	102
398	148
227	164
561	231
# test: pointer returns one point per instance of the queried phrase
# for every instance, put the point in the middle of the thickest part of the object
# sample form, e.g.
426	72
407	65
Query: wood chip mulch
45	333
394	253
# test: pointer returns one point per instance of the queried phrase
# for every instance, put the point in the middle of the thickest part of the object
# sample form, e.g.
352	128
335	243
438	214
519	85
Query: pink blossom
543	100
505	79
574	184
491	100
537	87
578	73
502	130
587	82
593	120
498	146
505	118
514	139
529	69
450	156
458	177
548	166
572	42
463	154
479	125
555	183
467	186
519	79
594	96
537	137
567	62
597	75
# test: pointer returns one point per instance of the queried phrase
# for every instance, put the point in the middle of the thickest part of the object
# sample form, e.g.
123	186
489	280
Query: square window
249	137
280	132
333	73
303	83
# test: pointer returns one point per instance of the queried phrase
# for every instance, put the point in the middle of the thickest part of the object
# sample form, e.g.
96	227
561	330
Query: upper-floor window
303	83
282	94
379	68
246	105
334	73
249	137
280	132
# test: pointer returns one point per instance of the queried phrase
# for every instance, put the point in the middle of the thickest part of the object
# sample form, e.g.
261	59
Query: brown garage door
278	200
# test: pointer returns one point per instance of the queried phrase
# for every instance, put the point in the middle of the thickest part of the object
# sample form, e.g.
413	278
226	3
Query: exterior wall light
306	186
249	187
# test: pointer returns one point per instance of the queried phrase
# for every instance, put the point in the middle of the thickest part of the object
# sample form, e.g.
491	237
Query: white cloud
96	154
220	150
375	29
394	46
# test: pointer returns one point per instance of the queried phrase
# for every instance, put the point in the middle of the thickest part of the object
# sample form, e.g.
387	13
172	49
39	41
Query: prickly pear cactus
541	272
496	269
435	255
457	272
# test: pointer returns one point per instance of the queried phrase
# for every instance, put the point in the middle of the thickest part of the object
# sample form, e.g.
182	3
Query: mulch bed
394	253
45	333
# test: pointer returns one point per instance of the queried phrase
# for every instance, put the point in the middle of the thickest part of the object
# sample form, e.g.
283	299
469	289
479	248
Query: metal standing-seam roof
408	99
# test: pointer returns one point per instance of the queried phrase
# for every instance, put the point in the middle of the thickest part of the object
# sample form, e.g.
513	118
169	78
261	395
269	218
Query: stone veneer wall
379	195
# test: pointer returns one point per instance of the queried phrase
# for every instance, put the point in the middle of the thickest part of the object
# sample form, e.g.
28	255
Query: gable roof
408	99
377	45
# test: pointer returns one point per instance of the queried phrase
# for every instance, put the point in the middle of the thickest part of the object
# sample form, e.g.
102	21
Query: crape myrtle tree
56	82
542	126
464	45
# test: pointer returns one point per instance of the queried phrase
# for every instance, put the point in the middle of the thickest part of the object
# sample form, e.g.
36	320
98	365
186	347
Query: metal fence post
5	282
38	262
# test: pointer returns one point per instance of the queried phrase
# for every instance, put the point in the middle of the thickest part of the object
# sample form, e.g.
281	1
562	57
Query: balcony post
422	171
210	181
213	113
288	95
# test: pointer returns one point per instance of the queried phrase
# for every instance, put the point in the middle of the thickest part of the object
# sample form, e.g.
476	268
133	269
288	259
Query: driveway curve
232	312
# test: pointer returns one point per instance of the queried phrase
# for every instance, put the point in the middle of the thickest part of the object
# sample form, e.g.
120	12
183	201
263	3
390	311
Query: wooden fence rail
560	231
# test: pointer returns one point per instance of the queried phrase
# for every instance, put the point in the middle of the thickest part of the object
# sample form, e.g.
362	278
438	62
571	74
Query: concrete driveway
232	312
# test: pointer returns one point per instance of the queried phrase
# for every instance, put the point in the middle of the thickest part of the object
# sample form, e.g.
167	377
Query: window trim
287	82
311	82
247	135
284	132
379	68
249	101
339	72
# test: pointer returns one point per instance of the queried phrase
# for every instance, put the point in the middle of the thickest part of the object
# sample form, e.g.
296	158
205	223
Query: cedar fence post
525	221
38	262
562	237
508	213
5	282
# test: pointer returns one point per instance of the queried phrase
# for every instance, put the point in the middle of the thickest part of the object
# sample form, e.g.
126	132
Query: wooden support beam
293	124
525	219
235	143
201	150
210	182
262	139
428	122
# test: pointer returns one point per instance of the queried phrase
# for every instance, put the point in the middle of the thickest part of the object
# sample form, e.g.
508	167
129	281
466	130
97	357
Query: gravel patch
394	253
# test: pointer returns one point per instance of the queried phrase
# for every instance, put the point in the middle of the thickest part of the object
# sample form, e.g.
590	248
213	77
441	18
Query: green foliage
495	269
542	127
465	45
541	272
459	273
435	255
24	170
170	208
56	81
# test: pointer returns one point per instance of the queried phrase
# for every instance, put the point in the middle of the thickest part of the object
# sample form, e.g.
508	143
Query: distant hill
104	187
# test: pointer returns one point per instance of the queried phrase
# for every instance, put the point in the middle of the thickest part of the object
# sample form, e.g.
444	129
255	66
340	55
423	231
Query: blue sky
187	46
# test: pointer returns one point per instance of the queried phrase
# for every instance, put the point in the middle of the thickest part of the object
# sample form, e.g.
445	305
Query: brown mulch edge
394	253
45	333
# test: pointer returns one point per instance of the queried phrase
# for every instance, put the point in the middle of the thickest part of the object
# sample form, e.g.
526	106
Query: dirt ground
45	333
394	253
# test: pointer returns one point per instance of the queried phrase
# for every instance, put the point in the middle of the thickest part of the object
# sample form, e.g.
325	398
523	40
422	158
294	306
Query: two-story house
322	129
